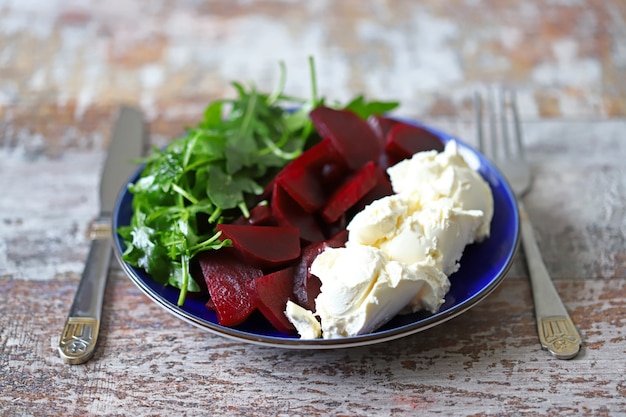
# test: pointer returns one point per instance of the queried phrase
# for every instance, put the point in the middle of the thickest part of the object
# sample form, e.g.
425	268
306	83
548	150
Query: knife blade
80	332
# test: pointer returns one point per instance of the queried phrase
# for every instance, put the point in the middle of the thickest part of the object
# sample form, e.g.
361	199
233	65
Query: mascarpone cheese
303	320
362	289
401	248
430	176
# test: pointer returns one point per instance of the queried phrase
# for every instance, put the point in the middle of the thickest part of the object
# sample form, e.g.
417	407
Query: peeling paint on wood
567	59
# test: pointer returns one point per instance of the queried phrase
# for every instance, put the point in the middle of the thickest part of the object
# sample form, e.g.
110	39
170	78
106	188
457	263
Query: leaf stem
279	152
313	76
248	114
205	243
278	91
244	209
215	215
185	284
184	193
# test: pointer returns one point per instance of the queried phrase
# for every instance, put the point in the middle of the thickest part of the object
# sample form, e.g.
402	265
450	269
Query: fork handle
557	332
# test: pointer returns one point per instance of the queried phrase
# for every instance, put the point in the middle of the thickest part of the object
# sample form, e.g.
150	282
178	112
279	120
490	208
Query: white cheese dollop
303	320
401	248
362	289
430	176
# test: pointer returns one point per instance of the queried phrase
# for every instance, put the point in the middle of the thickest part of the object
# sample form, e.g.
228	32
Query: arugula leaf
365	109
228	191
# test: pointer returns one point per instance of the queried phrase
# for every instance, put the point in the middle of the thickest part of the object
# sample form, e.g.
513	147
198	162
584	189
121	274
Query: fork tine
517	126
504	138
493	123
504	125
478	118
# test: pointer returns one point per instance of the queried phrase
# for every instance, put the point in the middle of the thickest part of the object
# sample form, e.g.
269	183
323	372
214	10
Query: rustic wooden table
66	66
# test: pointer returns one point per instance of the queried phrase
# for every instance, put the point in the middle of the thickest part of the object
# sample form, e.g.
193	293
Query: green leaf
212	116
365	109
178	279
227	190
143	252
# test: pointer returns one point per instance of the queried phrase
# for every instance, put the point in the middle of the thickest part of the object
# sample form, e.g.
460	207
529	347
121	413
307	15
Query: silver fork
557	332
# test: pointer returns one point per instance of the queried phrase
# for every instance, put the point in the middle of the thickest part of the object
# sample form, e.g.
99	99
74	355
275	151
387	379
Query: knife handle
80	333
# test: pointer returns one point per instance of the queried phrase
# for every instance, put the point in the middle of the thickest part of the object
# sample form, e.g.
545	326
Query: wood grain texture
148	363
487	361
566	58
66	66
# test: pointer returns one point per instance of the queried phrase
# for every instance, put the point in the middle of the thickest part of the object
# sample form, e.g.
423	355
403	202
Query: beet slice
352	136
404	140
270	294
382	189
330	229
266	195
304	187
350	192
226	277
263	246
306	286
304	177
288	212
260	215
381	125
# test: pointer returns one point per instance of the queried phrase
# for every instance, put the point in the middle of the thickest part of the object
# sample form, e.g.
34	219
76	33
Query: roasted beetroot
404	140
352	136
270	294
381	125
226	277
263	246
288	212
350	192
305	177
381	189
260	215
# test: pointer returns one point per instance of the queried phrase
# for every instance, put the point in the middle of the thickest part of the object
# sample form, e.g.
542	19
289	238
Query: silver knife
80	333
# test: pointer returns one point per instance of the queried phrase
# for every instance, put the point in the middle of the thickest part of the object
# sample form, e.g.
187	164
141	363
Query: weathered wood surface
65	67
483	362
486	361
566	58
